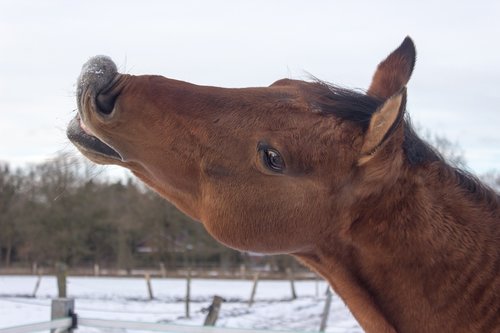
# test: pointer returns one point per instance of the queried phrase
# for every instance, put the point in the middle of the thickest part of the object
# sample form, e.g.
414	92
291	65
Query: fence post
213	311
291	277
61	269
34	268
316	280
254	288
37	284
243	271
62	308
163	271
326	311
188	291
97	270
150	288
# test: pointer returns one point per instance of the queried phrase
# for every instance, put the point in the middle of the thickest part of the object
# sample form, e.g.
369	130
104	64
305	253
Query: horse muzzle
98	82
98	87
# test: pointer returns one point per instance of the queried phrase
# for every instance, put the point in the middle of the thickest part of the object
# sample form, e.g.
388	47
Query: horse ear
383	123
394	72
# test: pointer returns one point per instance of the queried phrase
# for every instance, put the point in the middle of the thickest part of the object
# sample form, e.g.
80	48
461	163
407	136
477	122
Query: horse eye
273	160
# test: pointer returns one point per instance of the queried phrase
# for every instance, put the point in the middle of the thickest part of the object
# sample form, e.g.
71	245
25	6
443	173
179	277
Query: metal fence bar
63	323
103	323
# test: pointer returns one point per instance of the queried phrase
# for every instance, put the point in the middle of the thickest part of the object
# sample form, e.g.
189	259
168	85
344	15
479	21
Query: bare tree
492	178
451	151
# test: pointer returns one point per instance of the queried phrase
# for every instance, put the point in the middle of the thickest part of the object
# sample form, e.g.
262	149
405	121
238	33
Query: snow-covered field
127	299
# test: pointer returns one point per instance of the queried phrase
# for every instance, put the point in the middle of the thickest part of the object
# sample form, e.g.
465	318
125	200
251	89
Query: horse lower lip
83	138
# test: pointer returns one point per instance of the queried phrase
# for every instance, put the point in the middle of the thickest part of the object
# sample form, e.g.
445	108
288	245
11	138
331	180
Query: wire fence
266	314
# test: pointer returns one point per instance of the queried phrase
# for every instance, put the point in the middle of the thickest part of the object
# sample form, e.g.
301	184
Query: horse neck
414	254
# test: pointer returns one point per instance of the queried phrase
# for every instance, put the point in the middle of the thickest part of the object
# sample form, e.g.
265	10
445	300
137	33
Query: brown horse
334	177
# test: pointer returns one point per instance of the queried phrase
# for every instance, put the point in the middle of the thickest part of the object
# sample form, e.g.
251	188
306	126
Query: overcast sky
454	91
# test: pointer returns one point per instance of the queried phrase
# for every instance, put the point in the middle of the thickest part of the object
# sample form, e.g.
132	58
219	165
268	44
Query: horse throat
413	263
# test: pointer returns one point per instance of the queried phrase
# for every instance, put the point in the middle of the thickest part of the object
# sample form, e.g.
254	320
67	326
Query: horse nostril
106	103
98	78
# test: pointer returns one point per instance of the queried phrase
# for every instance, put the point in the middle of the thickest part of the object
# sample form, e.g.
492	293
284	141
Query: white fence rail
59	325
65	325
102	323
67	321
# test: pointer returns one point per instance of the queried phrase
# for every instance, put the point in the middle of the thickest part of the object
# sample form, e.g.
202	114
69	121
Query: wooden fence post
61	271
213	311
326	311
188	291
243	271
316	280
163	271
150	288
97	270
254	288
62	308
291	277
34	268
37	284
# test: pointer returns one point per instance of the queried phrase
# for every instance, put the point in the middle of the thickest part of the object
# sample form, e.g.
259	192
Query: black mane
358	107
346	104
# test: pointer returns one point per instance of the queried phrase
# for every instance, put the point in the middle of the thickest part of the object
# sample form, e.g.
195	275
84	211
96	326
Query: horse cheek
249	221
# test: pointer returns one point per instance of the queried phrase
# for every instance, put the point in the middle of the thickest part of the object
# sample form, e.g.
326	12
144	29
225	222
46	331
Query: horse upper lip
85	128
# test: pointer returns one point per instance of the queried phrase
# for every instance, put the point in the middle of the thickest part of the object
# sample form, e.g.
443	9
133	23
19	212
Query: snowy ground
127	299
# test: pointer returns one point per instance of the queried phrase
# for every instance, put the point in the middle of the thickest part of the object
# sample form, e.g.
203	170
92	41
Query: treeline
60	211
